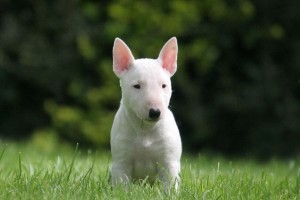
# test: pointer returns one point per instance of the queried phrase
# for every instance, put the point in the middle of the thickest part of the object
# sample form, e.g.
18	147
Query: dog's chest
146	157
147	145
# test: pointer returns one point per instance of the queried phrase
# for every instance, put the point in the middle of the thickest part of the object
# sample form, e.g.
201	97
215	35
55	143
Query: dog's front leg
121	174
169	175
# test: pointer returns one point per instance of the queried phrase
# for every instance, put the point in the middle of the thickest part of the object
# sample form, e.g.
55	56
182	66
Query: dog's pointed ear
122	57
168	56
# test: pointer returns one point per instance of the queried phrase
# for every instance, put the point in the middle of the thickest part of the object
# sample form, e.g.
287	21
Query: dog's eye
164	86
137	86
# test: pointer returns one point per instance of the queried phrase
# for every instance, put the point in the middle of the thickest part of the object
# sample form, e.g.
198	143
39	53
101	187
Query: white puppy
145	141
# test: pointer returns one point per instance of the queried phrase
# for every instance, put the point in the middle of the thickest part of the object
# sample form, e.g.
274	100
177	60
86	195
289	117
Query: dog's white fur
145	144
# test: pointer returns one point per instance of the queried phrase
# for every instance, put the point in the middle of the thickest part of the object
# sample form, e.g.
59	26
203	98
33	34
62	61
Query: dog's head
145	83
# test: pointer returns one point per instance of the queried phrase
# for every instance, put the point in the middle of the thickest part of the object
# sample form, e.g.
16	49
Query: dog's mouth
150	121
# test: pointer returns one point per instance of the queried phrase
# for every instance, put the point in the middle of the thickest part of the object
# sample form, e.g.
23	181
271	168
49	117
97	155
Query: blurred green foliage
236	90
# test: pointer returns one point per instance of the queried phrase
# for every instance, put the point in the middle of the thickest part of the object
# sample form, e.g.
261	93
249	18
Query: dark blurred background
236	91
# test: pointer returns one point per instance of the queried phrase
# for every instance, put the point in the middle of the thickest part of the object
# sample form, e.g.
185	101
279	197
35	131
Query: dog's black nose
154	113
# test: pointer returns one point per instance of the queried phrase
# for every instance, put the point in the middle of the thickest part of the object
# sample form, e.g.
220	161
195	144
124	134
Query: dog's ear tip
118	40
174	39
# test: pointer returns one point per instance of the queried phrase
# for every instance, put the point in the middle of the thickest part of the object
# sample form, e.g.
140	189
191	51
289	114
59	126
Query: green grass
28	171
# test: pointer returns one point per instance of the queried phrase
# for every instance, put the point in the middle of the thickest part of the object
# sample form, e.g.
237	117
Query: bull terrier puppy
145	141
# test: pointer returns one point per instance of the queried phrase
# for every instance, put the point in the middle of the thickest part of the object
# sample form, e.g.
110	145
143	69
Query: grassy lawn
30	171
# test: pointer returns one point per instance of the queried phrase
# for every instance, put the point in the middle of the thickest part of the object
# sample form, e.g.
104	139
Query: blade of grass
2	153
90	170
297	188
72	163
20	164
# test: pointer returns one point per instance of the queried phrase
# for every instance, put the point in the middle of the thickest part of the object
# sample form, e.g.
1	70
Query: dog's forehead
148	69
